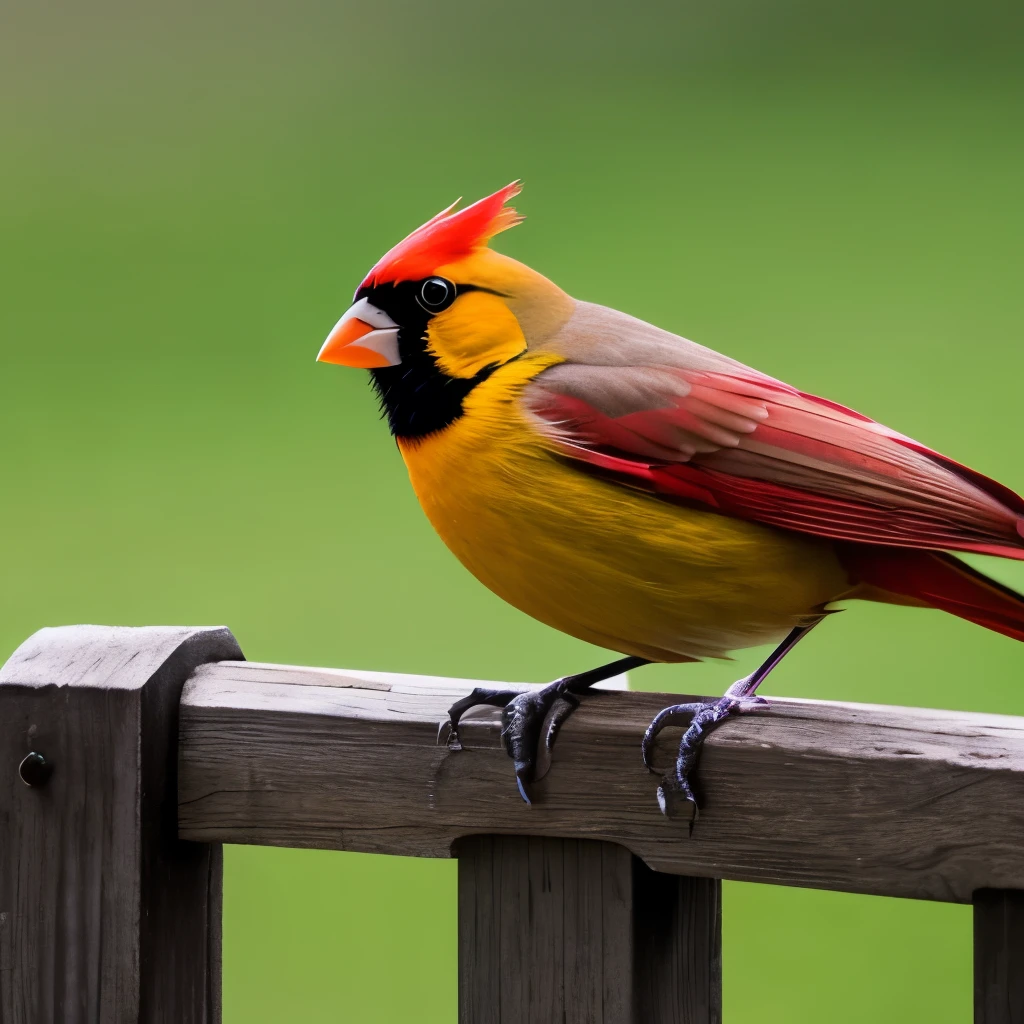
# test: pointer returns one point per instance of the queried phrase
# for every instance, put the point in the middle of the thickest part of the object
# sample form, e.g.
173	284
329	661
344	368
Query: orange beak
365	337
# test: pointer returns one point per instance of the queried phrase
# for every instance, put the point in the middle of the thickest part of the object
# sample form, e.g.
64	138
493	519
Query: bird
643	493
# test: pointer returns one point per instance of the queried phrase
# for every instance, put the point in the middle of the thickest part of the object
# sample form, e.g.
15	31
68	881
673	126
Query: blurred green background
189	193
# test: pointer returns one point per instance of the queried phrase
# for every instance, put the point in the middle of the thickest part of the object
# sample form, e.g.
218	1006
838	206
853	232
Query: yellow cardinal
642	492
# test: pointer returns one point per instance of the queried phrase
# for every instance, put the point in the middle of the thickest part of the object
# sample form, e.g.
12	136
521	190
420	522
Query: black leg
524	714
701	719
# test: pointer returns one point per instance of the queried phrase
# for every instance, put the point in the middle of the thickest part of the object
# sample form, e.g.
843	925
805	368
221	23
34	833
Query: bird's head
441	311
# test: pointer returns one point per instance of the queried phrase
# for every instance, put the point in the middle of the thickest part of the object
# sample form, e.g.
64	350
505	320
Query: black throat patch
417	396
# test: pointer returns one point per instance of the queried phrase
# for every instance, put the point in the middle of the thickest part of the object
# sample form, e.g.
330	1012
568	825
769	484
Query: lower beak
365	337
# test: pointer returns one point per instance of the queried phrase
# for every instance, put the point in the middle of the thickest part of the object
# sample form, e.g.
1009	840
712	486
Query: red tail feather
940	581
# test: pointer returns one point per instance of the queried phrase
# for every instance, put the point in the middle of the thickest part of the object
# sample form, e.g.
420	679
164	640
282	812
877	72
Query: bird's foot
676	791
524	717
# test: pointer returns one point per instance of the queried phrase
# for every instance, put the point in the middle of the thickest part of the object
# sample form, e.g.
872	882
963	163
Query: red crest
446	238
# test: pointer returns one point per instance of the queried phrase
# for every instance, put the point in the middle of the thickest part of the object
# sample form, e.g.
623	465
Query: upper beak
365	337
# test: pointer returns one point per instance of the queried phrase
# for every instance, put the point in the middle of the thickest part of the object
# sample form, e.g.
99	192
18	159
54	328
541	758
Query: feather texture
609	564
446	238
693	425
645	493
940	581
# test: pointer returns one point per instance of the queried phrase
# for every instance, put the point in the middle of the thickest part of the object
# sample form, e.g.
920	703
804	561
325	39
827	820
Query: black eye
436	294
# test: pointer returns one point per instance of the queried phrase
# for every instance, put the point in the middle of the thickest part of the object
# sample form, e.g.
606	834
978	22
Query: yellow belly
603	562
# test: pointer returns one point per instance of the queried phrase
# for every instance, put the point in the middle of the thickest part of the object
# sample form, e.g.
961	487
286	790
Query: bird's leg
523	714
701	719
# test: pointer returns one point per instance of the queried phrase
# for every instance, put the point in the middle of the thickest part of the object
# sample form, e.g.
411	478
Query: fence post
574	931
104	914
999	956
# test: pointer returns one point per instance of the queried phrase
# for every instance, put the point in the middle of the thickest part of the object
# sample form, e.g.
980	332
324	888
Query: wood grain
999	956
572	931
104	914
890	801
677	936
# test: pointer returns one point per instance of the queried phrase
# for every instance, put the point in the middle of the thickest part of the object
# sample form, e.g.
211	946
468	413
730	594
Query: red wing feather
941	581
752	447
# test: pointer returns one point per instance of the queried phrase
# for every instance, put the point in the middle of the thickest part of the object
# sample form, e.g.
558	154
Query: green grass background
189	194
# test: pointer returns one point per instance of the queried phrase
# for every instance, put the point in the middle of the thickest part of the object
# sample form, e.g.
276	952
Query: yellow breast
606	563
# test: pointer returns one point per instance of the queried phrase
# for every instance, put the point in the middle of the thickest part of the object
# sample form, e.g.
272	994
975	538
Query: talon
522	720
676	714
672	799
480	697
526	716
675	790
522	791
448	736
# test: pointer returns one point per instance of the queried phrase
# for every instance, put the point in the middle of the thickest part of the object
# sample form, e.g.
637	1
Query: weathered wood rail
133	753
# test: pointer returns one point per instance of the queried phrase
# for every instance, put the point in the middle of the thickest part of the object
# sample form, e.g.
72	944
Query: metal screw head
35	770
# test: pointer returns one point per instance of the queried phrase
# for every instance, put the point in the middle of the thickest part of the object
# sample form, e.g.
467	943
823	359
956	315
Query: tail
936	580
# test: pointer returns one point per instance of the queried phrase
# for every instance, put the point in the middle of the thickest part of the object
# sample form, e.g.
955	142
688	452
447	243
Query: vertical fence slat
580	932
678	927
480	941
104	914
999	956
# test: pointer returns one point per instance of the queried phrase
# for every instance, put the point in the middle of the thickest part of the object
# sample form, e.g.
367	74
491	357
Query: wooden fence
132	754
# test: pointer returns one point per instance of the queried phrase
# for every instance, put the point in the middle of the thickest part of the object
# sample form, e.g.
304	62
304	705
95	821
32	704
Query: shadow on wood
999	956
570	931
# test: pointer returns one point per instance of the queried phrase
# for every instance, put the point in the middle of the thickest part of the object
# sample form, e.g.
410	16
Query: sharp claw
662	720
522	788
449	738
675	788
480	697
672	799
527	717
531	723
